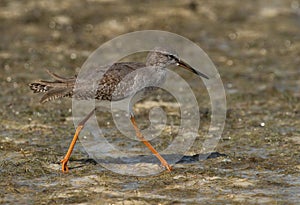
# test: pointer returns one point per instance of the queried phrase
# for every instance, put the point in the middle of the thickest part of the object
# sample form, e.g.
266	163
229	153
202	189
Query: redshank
156	63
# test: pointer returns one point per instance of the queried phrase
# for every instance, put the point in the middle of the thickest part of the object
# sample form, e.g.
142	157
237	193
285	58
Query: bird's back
64	87
113	78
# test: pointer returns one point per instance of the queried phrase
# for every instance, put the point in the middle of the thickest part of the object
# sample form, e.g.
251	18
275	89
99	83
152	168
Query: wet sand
256	47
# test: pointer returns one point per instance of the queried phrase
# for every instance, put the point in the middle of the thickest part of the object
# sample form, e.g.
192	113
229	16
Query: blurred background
255	45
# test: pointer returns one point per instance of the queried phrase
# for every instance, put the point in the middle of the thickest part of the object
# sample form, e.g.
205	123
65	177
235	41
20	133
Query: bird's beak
188	67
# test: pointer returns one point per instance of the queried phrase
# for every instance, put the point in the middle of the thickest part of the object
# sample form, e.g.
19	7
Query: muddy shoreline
255	46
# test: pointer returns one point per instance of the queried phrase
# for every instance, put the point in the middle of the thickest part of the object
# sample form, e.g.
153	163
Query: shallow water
255	46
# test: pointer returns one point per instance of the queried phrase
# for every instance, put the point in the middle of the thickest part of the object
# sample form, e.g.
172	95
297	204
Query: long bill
188	67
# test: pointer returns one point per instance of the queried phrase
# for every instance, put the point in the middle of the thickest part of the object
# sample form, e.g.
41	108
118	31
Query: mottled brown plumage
64	87
118	82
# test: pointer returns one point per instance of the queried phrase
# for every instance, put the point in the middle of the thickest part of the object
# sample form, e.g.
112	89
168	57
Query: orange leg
152	149
80	126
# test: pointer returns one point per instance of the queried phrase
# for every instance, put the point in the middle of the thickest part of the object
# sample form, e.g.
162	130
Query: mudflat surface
254	44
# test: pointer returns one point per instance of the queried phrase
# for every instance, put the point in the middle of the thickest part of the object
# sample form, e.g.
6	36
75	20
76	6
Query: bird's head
163	58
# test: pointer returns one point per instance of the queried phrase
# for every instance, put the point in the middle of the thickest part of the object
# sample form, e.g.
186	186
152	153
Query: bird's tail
59	88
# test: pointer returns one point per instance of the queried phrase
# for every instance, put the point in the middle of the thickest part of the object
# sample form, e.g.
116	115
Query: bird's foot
167	166
64	167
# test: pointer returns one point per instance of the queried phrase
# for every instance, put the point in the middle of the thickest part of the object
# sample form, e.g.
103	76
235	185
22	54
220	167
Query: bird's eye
171	56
